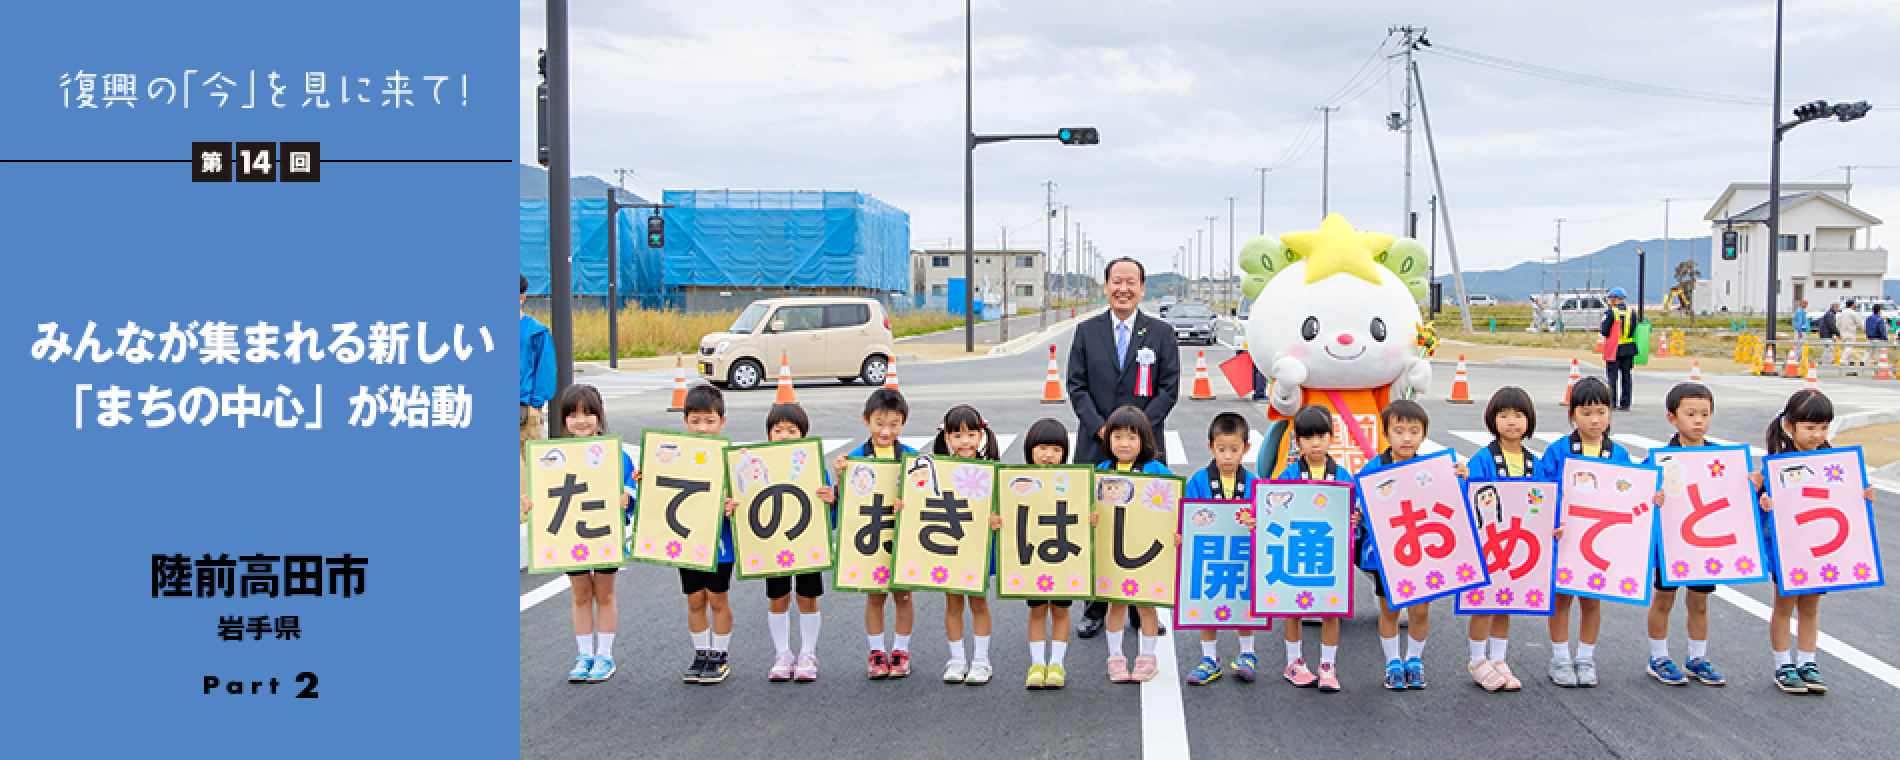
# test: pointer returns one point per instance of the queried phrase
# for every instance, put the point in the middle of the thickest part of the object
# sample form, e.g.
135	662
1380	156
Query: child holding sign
1313	430
1131	448
1224	478
578	413
1047	442
965	435
705	413
788	422
1690	407
1406	425
1590	413
1511	418
885	413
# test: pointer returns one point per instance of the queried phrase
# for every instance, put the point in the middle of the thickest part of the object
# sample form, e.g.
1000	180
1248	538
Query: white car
1481	299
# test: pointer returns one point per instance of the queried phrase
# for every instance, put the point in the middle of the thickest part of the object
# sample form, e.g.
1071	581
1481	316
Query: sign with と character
1134	531
1301	560
1822	524
1045	548
780	527
1515	520
943	532
1210	582
867	521
575	521
1709	532
682	500
1428	546
1609	528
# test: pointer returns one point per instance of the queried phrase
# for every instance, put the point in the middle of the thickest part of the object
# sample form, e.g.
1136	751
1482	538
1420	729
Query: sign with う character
682	500
1822	524
780	527
575	521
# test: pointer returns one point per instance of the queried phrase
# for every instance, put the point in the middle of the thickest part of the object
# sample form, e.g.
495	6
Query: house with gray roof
1825	248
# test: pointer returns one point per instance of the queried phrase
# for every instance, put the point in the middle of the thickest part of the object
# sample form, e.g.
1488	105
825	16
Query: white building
1021	274
1824	248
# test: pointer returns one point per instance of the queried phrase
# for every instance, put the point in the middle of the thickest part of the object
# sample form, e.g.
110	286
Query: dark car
1192	321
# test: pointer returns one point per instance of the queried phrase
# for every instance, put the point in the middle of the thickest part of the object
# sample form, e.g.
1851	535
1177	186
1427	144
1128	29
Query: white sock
956	649
1390	647
1148	644
900	642
1114	642
1036	655
808	633
586	644
982	648
1415	650
1807	658
1560	651
1659	649
1327	654
1498	648
1292	651
1586	652
1784	657
781	625
702	640
875	641
1210	650
1246	642
1477	651
719	643
1698	649
605	645
1056	650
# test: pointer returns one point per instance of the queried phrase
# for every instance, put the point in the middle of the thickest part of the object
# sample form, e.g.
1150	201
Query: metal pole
560	237
1406	219
969	196
1211	269
1200	253
1433	271
1438	182
1068	286
613	281
1263	199
1048	242
1558	248
1774	185
1226	290
1668	276
1002	324
1326	159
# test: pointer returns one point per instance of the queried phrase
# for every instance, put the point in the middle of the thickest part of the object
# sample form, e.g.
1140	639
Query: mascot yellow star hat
1336	247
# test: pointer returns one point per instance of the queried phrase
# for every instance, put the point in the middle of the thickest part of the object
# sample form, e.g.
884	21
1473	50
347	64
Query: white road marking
1846	652
1637	440
544	592
1177	453
1478	437
1163	719
1756	451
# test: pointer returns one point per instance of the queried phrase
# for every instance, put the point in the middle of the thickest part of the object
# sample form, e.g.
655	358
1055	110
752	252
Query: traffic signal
541	112
1078	136
1851	111
1728	245
1811	111
656	232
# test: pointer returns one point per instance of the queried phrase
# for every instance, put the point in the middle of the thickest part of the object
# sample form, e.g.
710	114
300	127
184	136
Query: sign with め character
867	523
574	519
1045	549
1302	548
943	532
780	527
682	500
1136	515
1515	521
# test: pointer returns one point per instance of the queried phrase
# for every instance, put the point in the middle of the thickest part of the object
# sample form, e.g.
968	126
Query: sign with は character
1515	518
1045	548
1210	578
1136	557
1609	528
1302	548
780	527
575	521
1418	518
867	524
1823	526
943	532
1709	531
681	501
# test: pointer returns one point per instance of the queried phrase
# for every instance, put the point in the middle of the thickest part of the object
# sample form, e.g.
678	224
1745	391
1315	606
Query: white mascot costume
1335	322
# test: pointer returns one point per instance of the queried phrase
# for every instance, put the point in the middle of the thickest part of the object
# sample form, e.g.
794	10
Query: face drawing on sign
1385	489
1115	492
1219	567
863	479
1055	549
1024	485
1279	499
1487	500
565	492
552	458
922	476
1672	475
1795	475
1584	482
750	473
1301	553
1202	517
1500	547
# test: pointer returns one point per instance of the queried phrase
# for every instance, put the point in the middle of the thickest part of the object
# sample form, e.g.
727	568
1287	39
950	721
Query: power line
1591	80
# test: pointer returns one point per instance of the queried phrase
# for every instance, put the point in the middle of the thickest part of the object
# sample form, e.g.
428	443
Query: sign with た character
1609	529
1515	520
943	532
1045	548
1136	557
682	500
1302	548
780	527
1823	524
1210	582
867	523
575	521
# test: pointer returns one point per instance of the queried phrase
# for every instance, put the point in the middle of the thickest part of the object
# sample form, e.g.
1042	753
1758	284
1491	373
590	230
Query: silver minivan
820	336
1577	311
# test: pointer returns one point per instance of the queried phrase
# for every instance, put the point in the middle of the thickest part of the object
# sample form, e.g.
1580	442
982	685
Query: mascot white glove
1289	374
1416	377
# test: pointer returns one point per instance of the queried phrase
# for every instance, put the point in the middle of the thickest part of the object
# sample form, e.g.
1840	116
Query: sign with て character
780	527
943	532
575	521
1609	527
682	500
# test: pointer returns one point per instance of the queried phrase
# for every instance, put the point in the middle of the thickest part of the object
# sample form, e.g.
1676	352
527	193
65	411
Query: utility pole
1226	289
560	233
1410	42
1559	250
1067	285
1444	207
1209	250
1326	158
1048	241
1433	270
1002	323
1668	275
1200	252
623	178
1263	199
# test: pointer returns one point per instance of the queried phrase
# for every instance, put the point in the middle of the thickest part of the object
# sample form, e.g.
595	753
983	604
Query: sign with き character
1823	525
1302	548
682	500
575	521
1427	544
867	522
1709	530
1210	582
1609	528
943	532
1045	548
780	527
1135	520
1515	520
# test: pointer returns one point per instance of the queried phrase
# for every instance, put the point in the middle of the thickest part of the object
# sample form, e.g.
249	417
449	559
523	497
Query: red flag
1239	373
1610	343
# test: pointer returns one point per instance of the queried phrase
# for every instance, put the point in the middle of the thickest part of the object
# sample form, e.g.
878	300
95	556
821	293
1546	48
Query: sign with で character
1136	556
682	500
1045	548
1709	531
1515	520
1428	546
867	522
1609	528
1302	548
575	521
780	527
1822	524
943	532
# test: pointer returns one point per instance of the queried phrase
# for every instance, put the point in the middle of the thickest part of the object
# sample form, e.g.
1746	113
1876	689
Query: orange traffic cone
1814	382
1768	363
1574	377
890	375
1664	351
1695	371
1885	373
785	381
679	385
1460	389
1203	391
1052	387
1793	367
1599	348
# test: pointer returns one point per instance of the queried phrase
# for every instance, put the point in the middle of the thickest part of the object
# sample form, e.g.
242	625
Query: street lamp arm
986	139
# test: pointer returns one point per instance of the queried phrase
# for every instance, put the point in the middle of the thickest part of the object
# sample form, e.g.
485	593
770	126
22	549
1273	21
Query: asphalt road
645	710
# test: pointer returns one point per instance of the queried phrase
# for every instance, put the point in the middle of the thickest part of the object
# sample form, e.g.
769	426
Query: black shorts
1378	584
718	581
1709	589
810	585
600	570
1063	603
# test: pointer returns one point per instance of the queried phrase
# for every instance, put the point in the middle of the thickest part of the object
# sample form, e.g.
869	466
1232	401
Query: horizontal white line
543	592
1846	652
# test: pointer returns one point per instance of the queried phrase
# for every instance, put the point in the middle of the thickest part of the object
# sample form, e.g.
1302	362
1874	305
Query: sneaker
1038	674
1054	678
900	663
1704	672
806	671
1246	666
1118	668
701	658
781	668
716	668
1146	667
1328	678
602	670
980	672
1811	675
880	668
1788	679
1414	674
1205	673
1563	673
1510	681
1664	669
1485	675
956	670
1298	675
1395	675
1586	673
583	664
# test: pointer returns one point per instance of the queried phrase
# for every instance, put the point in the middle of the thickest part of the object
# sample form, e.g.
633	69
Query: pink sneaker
1328	678
806	670
1118	668
1298	675
1487	675
781	667
1510	681
1146	668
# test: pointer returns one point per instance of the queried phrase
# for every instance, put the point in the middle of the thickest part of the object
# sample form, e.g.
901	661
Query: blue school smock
1201	486
1551	465
1484	463
1332	471
1153	467
1367	552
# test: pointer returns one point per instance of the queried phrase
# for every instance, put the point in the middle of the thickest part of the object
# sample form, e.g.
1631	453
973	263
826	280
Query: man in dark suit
1107	359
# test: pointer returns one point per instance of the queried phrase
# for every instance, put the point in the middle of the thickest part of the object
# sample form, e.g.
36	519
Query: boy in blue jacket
1224	478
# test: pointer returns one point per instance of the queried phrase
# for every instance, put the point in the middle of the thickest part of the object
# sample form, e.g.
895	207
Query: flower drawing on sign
1244	515
1716	468
881	575
646	546
1680	568
1830	573
1434	579
1223	614
579	552
1045	583
1503	596
549	555
1834	473
1535	496
1332	600
753	561
1160	592
1563	575
1130	587
910	572
1597	581
1474	596
1304	600
1015	582
851	574
1628	586
940	575
786	558
817	555
1744	565
1466	572
1076	583
1406	588
969	578
1713	566
1534	598
1798	576
1158	495
1862	571
971	481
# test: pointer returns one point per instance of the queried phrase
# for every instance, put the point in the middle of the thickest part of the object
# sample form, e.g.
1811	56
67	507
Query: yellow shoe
1053	677
1036	675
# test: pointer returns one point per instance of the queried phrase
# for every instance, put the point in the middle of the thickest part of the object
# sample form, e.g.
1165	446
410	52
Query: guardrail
1831	357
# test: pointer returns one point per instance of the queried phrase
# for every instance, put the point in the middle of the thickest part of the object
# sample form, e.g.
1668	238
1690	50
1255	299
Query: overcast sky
1192	97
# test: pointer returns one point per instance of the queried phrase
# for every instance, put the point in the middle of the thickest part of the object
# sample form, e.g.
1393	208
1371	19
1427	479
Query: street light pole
1774	187
1226	290
1326	158
1263	199
969	194
560	240
1048	241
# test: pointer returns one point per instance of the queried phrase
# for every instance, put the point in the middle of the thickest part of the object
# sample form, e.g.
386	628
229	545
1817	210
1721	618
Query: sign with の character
780	527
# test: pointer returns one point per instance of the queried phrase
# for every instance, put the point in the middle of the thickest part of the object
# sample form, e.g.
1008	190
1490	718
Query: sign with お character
780	527
1709	530
1135	557
867	522
1609	528
1823	526
1045	548
575	521
681	502
1515	520
1428	546
1210	578
1302	548
943	532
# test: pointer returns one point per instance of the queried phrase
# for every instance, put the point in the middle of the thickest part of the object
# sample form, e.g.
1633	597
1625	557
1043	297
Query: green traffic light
1064	134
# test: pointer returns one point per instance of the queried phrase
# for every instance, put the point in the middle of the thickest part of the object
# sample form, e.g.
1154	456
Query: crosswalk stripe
1477	437
1754	450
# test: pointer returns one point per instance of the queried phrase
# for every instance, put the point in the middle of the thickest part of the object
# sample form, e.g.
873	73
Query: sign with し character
1609	527
943	533
867	522
1515	521
1428	546
575	521
1210	581
1135	557
1709	531
1302	548
780	527
682	500
1045	548
1823	525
